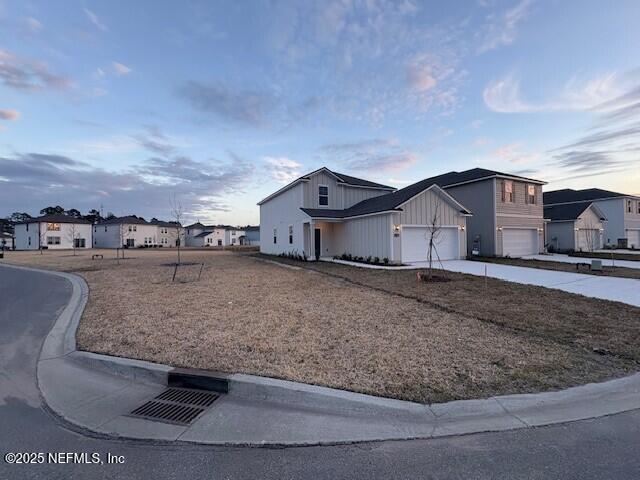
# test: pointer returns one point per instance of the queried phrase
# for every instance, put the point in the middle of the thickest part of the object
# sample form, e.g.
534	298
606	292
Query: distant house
622	211
252	235
169	234
199	235
6	241
55	231
574	227
129	232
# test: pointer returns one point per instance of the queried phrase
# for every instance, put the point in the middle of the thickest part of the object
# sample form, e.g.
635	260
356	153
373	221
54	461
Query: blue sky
126	104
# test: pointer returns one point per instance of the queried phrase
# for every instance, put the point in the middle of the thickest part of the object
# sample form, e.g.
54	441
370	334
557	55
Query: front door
316	243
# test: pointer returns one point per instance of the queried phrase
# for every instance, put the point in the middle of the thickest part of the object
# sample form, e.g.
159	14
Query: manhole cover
179	406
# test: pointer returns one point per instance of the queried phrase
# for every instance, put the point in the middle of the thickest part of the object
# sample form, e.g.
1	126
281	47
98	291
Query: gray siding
561	235
479	197
614	227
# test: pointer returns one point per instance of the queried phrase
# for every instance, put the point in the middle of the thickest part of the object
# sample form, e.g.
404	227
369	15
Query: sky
131	107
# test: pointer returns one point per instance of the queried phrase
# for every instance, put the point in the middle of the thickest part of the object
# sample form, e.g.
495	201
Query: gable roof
570	211
129	219
195	225
384	203
340	177
568	195
451	179
203	234
162	223
56	218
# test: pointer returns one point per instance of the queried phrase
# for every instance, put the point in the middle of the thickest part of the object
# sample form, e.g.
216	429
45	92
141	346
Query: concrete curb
398	419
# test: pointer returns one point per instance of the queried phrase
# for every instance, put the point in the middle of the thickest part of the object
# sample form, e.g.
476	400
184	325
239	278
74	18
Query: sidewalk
97	392
558	257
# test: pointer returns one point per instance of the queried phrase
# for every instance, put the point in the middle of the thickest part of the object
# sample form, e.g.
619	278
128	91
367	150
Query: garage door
633	238
517	242
415	244
588	240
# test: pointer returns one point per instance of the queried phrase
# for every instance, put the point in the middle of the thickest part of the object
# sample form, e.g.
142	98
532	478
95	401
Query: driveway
558	257
591	449
607	288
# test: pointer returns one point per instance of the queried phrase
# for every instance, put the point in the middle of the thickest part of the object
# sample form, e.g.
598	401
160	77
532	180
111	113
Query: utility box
596	265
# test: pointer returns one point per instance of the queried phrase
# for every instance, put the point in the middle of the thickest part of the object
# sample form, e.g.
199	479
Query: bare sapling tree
588	232
177	214
42	235
434	232
72	236
123	234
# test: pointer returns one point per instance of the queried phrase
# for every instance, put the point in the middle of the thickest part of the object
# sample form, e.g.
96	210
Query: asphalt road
29	302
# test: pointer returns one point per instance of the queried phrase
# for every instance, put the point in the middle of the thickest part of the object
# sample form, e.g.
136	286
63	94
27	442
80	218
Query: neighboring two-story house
199	235
56	231
129	231
622	211
169	234
327	213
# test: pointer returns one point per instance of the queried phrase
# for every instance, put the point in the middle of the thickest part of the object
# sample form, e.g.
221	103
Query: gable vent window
323	195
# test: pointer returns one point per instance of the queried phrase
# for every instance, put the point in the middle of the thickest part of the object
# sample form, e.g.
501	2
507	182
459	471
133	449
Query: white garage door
588	240
517	242
415	244
633	238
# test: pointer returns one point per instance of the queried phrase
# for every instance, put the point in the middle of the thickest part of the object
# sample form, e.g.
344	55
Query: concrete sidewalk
97	392
558	257
624	290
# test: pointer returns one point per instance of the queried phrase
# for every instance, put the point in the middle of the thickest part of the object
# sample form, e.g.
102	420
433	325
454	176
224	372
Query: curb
498	413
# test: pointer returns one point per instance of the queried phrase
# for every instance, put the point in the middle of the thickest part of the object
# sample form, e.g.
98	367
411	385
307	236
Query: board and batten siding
561	235
366	236
310	188
280	212
353	195
420	210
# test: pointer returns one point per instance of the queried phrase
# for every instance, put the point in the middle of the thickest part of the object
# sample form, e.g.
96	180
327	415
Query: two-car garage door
415	244
517	242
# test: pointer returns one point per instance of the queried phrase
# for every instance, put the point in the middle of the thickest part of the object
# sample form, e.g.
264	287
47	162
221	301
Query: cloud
8	114
504	95
373	155
35	180
155	141
251	107
502	29
120	69
33	25
282	169
420	78
26	74
513	153
93	18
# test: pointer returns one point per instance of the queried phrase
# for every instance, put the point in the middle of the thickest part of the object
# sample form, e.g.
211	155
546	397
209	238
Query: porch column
312	240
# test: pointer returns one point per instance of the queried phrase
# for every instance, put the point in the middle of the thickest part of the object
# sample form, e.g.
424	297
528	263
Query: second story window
531	194
629	206
638	204
54	227
507	191
323	195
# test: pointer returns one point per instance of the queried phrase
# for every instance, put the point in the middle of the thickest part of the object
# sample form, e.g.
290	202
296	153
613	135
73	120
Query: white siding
352	195
111	235
280	212
366	236
38	232
311	191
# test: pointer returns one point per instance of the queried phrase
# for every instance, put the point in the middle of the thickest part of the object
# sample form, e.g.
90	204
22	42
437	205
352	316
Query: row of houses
474	212
64	232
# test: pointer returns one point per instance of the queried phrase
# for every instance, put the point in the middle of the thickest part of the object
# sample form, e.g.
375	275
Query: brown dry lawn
378	332
565	267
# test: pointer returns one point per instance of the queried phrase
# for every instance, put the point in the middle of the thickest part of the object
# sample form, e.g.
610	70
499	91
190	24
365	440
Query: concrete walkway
97	392
558	257
623	290
620	250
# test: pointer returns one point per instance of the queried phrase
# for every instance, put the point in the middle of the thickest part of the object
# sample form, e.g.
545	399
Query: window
130	242
629	206
507	191
290	234
53	240
275	235
29	237
135	229
323	195
233	233
233	241
28	229
638	205
130	228
54	227
105	228
219	243
95	229
531	194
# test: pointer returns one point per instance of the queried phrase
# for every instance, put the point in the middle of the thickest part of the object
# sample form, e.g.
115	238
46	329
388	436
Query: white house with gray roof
199	235
129	232
326	213
53	232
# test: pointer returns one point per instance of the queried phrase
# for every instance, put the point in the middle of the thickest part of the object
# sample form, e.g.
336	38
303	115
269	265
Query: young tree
73	235
177	214
589	239
42	235
434	231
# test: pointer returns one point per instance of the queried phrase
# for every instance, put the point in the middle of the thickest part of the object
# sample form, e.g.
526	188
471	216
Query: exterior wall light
396	228
462	227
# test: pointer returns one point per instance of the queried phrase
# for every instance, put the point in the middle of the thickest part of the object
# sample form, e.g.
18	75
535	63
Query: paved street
29	304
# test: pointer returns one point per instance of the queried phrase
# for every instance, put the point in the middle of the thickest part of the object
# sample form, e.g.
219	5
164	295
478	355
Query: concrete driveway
623	290
558	257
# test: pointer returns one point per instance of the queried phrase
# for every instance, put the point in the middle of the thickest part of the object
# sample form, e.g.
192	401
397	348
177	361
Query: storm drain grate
179	406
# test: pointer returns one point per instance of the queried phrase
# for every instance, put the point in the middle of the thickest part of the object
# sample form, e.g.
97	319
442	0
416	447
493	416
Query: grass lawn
371	331
613	255
563	267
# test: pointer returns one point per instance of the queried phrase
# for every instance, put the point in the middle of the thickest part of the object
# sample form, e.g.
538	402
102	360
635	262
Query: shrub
385	260
369	259
376	260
